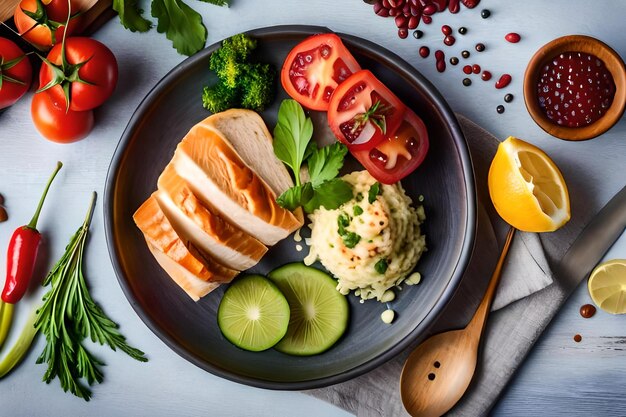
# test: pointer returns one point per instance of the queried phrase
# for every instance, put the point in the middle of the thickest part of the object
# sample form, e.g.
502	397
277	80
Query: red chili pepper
22	253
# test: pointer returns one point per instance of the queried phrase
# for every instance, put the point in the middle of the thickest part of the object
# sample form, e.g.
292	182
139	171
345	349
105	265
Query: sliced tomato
363	111
315	67
400	153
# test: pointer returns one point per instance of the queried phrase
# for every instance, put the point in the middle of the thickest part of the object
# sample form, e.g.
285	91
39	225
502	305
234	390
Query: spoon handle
480	316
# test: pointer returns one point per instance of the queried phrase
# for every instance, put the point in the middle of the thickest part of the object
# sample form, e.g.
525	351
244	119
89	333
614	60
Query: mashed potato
372	242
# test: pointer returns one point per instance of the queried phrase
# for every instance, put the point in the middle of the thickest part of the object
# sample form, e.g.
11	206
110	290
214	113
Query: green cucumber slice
253	314
319	313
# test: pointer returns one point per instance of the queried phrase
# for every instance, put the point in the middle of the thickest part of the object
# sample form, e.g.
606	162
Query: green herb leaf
373	192
69	315
325	163
351	239
181	24
218	2
330	194
357	210
131	16
296	196
292	135
381	266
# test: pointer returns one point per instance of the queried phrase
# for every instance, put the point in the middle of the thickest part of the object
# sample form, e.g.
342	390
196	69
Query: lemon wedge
526	187
607	286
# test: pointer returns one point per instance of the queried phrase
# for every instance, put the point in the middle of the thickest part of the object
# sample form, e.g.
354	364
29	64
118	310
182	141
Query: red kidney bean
512	37
393	3
467	69
416	11
424	51
430	10
449	40
385	4
486	76
470	4
383	12
441	66
401	21
476	69
394	12
504	80
446	30
406	9
441	4
403	33
454	6
413	22
414	2
427	19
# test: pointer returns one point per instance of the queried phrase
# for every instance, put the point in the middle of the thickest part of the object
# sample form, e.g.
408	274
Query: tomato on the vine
314	68
43	24
89	71
385	136
16	73
57	124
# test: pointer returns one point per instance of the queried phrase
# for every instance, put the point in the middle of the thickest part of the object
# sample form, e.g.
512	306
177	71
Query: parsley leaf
381	266
218	2
131	16
330	194
351	239
373	192
292	135
325	163
293	146
181	24
296	196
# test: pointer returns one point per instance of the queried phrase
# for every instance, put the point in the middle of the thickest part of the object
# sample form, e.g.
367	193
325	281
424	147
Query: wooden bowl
575	43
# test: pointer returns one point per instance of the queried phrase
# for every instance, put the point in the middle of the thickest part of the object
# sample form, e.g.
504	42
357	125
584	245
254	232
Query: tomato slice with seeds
314	68
363	111
399	154
384	135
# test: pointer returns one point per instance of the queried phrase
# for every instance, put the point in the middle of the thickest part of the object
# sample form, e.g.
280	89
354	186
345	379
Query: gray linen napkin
510	332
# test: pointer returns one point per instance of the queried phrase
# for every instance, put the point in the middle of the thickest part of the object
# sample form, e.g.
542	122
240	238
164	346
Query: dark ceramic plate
445	180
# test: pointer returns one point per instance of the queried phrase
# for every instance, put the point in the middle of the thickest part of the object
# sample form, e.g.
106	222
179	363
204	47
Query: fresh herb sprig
69	315
180	23
293	146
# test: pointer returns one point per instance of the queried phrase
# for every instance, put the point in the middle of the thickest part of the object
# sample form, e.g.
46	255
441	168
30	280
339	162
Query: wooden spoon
438	372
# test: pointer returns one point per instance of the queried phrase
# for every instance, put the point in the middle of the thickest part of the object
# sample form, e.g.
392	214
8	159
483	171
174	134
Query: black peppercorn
462	30
508	98
467	82
418	34
485	13
480	47
500	109
454	60
465	54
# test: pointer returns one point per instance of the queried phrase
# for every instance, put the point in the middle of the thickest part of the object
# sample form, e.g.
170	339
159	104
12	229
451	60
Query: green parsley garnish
381	266
351	239
357	210
373	192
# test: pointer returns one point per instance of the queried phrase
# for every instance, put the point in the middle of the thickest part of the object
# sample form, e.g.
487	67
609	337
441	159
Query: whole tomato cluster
77	75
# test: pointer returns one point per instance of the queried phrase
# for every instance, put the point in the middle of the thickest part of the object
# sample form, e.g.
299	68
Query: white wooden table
560	377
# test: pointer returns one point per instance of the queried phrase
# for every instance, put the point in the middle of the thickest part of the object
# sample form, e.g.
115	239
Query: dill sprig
69	315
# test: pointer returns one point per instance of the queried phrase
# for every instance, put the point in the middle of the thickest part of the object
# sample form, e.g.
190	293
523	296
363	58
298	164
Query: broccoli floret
241	83
229	61
257	86
218	97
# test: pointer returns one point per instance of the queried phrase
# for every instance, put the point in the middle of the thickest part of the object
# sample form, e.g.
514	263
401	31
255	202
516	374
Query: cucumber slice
253	313
319	313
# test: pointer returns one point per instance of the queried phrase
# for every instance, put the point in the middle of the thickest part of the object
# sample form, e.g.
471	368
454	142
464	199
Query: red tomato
314	68
51	21
57	125
385	136
99	73
362	111
15	76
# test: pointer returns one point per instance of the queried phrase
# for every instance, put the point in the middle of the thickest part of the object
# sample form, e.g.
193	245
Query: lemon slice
526	187
607	286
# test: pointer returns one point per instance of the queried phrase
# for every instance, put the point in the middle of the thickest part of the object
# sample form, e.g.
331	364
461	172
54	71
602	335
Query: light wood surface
559	378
